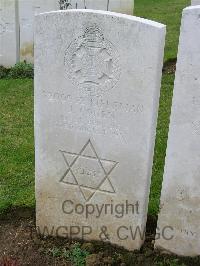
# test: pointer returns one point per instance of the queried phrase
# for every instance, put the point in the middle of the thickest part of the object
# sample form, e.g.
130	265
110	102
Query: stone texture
9	32
180	199
27	10
97	83
195	2
120	6
15	15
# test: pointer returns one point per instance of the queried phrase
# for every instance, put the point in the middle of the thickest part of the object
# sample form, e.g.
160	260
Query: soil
20	245
169	66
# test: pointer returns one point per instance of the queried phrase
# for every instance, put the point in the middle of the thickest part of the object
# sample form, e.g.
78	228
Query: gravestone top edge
191	8
108	13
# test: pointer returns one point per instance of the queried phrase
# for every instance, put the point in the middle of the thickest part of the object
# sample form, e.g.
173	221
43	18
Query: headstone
120	6
27	10
9	32
97	83
180	200
195	2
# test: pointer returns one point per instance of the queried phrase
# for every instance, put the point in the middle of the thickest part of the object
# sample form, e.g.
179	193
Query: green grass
161	141
168	12
16	143
16	118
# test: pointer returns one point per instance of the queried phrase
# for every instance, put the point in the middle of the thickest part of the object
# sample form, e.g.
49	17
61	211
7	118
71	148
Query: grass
16	118
161	142
168	12
16	143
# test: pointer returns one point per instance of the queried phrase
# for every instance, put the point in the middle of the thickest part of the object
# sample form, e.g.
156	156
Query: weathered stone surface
9	32
195	2
97	82
18	44
180	199
27	10
120	6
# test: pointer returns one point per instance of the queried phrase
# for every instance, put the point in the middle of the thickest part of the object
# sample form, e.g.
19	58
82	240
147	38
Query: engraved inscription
92	125
2	26
107	105
94	114
188	233
196	101
92	62
88	172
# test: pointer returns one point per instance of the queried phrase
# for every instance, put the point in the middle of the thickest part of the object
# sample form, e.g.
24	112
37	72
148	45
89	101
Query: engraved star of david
88	172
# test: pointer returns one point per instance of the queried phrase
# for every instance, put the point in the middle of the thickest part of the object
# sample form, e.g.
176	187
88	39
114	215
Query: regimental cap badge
93	37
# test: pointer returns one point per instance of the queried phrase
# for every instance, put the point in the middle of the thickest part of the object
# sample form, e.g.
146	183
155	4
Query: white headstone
9	32
180	199
27	10
97	83
195	2
120	6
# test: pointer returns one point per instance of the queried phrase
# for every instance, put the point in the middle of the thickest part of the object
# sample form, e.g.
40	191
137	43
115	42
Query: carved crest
92	62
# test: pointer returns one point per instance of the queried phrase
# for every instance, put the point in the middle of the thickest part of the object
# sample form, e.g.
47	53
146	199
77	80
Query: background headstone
15	15
27	10
120	6
195	2
97	83
180	199
9	32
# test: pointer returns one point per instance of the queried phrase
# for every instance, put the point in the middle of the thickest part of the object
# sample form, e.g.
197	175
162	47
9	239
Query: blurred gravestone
27	10
17	22
120	6
195	2
180	199
9	33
